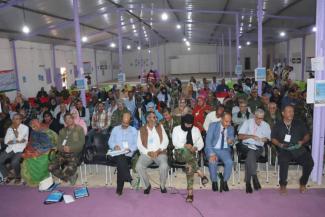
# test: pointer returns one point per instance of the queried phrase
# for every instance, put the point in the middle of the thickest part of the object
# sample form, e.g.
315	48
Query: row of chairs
96	155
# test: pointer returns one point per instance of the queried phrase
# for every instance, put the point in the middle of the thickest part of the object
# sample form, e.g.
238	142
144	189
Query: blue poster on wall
81	84
239	69
41	77
320	92
260	74
7	80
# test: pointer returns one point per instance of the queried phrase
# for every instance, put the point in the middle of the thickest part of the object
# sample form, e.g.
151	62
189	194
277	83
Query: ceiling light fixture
178	26
239	47
184	39
139	48
282	34
112	45
128	47
164	16
25	29
314	29
248	43
84	39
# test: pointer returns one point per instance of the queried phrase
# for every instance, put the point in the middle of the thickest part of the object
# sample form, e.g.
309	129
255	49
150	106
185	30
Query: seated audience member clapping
99	122
71	141
16	140
291	137
218	140
253	133
122	137
152	144
187	140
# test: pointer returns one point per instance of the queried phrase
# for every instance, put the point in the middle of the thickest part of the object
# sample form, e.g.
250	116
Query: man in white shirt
213	116
253	133
16	139
152	144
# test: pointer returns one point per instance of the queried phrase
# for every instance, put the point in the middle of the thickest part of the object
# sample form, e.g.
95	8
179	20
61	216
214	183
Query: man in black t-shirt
291	138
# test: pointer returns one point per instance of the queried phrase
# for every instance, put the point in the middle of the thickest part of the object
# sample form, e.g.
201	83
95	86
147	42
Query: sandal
189	198
204	180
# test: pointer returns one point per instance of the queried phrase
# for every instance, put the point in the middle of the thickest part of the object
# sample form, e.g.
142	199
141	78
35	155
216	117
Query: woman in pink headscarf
79	121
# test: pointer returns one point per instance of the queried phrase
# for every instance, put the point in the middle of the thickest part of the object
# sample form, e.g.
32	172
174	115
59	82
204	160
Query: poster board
7	80
260	74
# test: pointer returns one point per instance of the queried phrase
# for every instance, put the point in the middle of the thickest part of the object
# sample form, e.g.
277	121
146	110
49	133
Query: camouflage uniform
65	164
70	162
185	155
169	126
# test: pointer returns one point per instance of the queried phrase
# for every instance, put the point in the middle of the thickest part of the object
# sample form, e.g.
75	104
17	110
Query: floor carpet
20	201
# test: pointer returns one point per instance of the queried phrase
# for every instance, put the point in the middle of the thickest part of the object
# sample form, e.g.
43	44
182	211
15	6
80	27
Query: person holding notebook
123	137
254	133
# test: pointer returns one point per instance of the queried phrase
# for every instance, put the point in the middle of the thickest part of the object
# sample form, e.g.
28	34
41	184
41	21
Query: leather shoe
249	189
163	190
256	183
147	190
225	186
214	186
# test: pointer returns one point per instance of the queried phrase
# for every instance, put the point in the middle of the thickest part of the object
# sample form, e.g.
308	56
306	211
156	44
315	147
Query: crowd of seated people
158	122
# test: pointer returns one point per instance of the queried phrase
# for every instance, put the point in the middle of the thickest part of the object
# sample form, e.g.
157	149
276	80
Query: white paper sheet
68	198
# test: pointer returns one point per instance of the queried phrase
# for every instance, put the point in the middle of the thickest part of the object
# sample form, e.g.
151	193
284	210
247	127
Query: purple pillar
53	64
260	41
217	59
223	56
96	69
303	57
120	43
158	56
237	42
78	46
229	53
13	46
288	52
319	112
